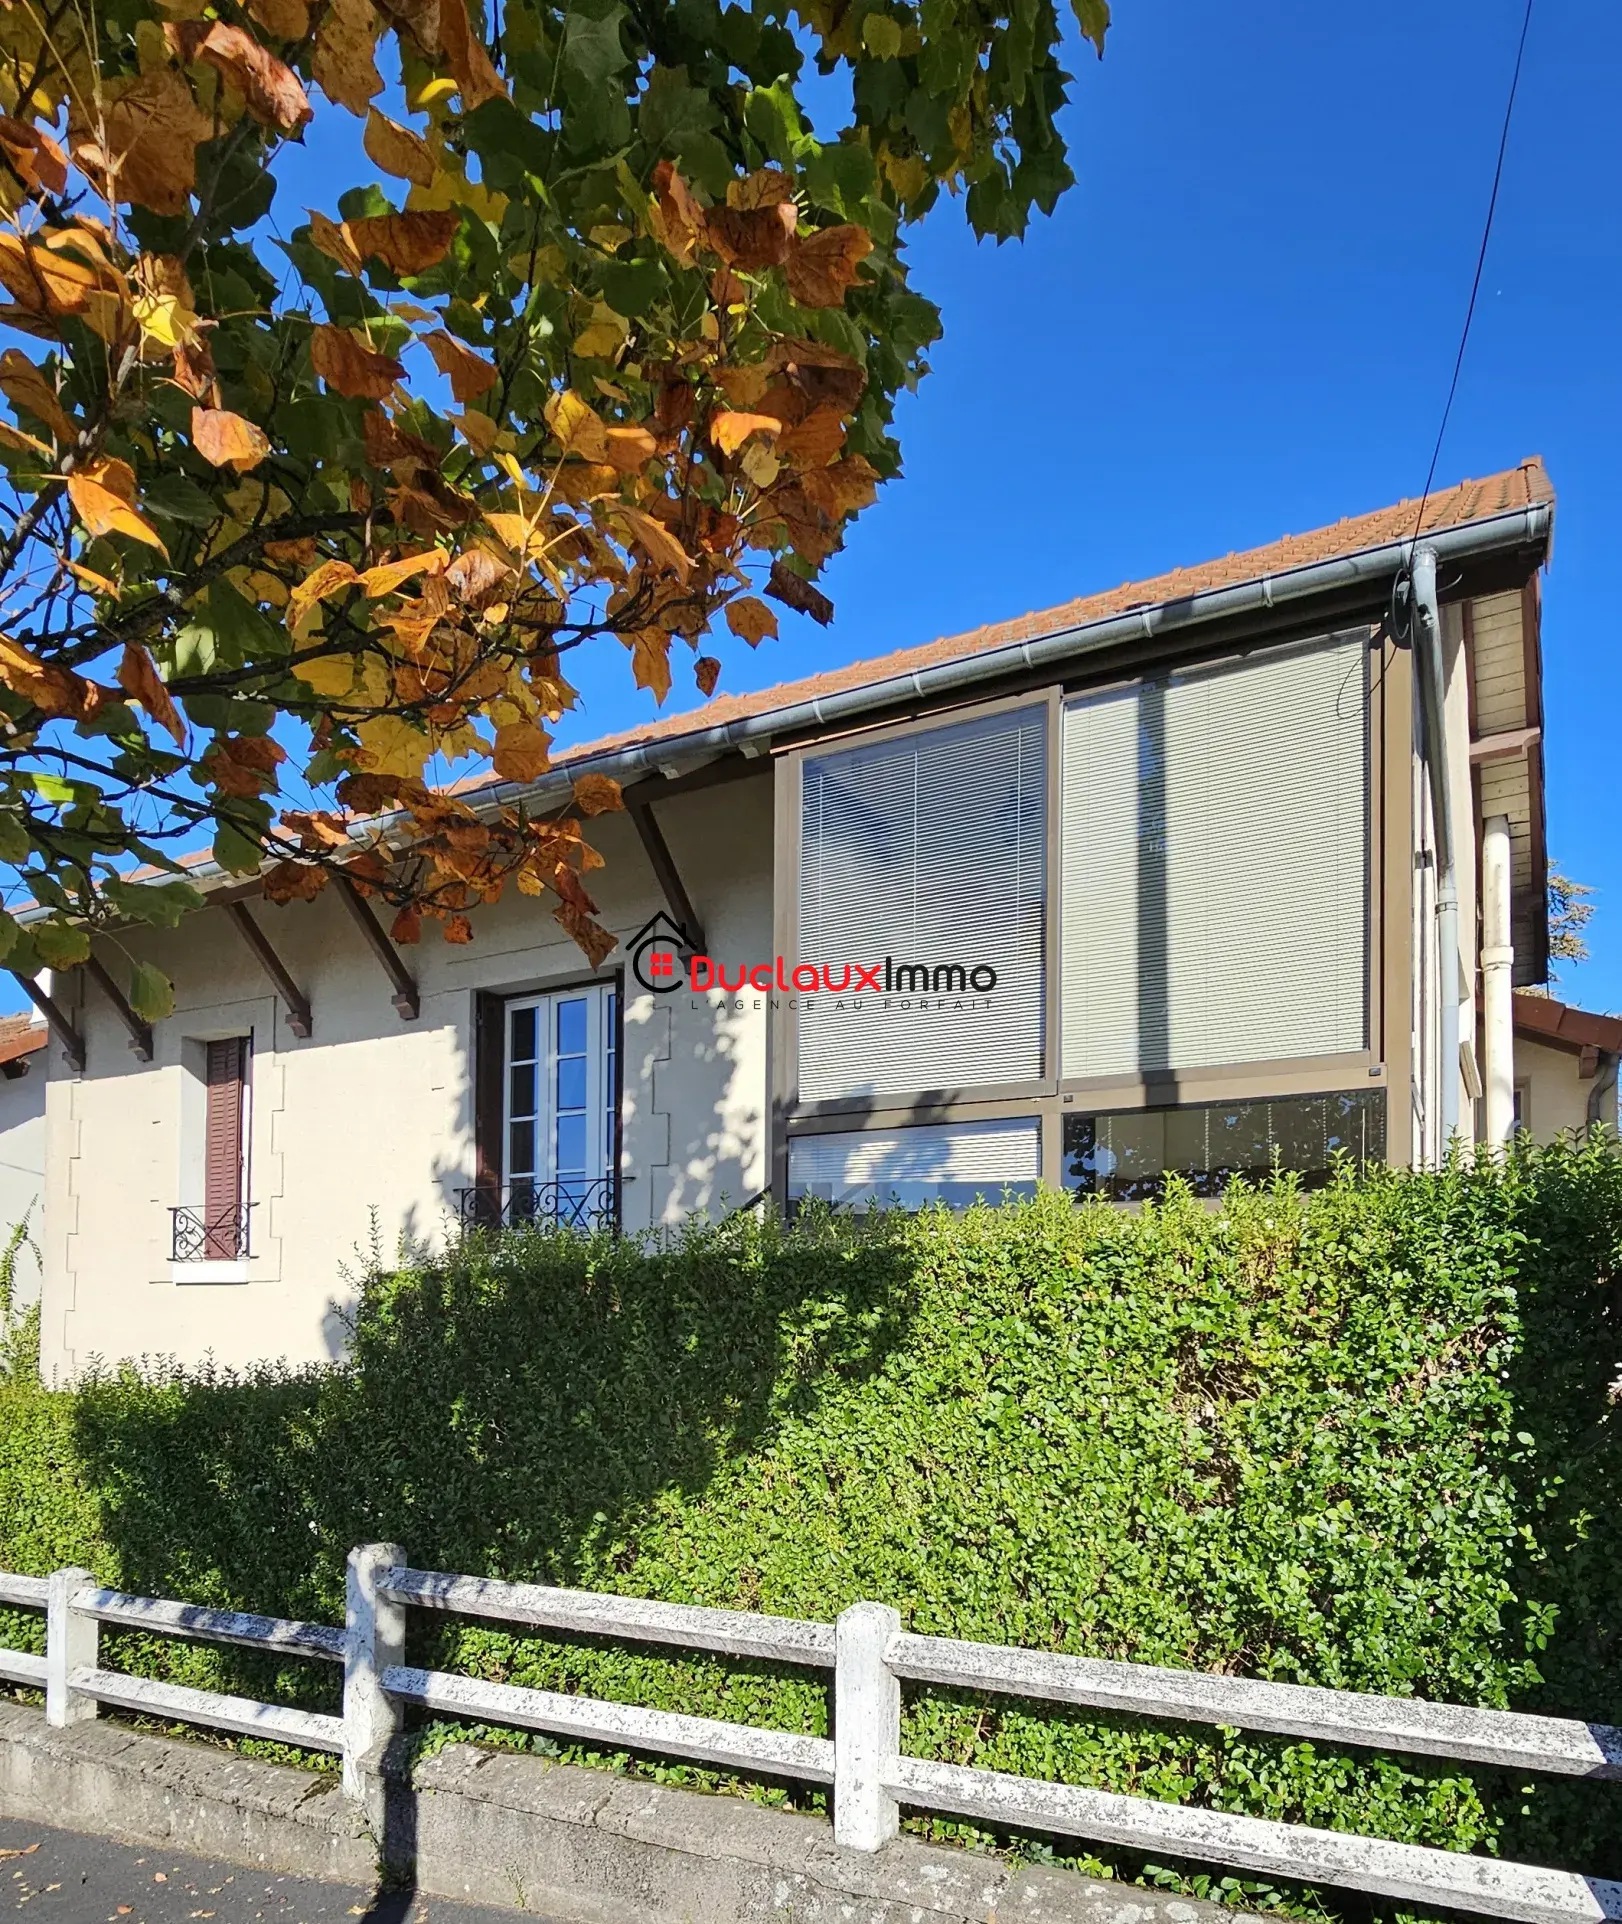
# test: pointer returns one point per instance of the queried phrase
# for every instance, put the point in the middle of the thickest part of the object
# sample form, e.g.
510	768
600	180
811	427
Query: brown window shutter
222	1149
489	1072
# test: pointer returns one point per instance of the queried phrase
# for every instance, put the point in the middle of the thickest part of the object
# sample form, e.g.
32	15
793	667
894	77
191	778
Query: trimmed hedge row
1366	1438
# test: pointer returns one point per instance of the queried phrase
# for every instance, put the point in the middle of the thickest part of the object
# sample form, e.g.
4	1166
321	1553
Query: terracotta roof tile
1524	486
20	1036
1540	1016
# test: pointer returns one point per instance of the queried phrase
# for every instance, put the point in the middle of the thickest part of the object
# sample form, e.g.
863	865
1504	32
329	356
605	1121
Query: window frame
1381	1063
489	1036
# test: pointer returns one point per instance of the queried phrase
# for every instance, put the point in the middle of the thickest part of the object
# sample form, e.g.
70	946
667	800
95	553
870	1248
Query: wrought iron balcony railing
198	1236
571	1202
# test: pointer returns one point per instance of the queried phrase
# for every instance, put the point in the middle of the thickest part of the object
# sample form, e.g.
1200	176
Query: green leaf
1092	16
592	50
176	498
163	904
151	993
236	853
672	109
61	945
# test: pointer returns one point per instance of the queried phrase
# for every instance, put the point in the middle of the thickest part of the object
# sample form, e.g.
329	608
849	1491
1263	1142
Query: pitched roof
1521	487
1542	1019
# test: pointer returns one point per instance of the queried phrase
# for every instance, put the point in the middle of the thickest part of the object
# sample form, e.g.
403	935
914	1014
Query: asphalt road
61	1877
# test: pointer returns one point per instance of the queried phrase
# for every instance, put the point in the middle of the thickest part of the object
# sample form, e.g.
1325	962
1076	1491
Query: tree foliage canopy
310	505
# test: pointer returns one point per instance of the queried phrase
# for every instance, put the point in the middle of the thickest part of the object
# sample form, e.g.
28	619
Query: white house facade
1230	869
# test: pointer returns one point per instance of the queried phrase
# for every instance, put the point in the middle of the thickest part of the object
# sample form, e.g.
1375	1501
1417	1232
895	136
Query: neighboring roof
20	1035
1542	1019
1525	486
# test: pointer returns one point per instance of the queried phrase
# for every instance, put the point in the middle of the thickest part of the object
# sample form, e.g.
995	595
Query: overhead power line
1481	262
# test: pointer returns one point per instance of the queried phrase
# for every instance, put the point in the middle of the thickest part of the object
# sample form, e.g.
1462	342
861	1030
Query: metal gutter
1372	567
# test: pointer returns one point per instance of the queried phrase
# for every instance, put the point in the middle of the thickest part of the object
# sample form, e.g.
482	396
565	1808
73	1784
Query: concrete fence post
867	1726
374	1639
72	1642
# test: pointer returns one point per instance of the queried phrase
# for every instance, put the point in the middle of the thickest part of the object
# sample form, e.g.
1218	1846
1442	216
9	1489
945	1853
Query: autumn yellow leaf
470	374
227	439
387	576
751	620
706	672
522	752
49	284
397	150
729	429
628	449
477	430
322	581
656	542
285	19
27	389
394	746
650	662
142	146
344	62
98	584
21	442
331	237
577	425
597	794
53	689
139	678
604	334
103	497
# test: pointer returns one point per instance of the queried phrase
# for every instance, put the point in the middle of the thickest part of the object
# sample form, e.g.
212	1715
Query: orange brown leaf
470	374
406	243
347	364
822	266
227	440
597	794
139	678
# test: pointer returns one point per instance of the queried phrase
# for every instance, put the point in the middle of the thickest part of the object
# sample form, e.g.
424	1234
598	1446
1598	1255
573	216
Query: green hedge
1366	1438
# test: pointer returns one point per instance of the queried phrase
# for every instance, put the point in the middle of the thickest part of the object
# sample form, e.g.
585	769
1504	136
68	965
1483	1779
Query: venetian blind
929	850
952	1161
1215	864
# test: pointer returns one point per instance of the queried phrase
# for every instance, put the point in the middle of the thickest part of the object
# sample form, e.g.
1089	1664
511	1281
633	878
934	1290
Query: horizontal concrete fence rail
869	1657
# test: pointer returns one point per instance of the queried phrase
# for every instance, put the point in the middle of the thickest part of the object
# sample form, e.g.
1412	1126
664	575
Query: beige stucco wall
369	1123
22	1170
1554	1098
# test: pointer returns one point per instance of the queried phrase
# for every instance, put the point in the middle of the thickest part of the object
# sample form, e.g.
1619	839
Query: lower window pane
1127	1155
953	1163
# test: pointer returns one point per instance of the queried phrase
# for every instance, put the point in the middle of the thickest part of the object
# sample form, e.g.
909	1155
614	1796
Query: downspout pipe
1497	979
1425	628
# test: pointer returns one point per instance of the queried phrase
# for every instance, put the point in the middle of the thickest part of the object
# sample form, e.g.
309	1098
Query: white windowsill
237	1271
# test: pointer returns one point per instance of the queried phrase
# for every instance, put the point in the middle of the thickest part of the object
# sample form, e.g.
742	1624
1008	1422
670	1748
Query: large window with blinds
1214	866
927	853
1201	893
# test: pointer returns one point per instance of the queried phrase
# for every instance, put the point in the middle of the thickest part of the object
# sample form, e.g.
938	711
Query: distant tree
1570	912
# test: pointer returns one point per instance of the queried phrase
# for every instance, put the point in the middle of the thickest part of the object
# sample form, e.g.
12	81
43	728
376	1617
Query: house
1565	1067
1231	867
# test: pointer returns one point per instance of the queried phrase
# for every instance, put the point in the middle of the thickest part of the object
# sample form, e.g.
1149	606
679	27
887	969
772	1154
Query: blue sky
1241	323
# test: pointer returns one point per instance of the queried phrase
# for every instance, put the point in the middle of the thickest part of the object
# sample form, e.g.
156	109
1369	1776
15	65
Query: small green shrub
1365	1438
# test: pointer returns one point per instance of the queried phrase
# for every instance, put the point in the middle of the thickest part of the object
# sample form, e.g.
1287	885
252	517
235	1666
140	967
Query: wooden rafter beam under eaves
407	1002
299	1016
140	1033
666	874
56	1018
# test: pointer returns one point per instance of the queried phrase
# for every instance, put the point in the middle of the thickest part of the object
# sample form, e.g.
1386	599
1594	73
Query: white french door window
560	1126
